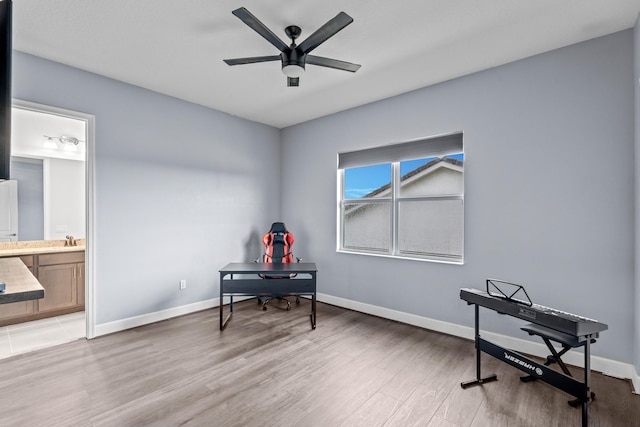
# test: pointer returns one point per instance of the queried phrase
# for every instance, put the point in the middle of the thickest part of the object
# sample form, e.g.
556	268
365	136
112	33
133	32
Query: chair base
265	300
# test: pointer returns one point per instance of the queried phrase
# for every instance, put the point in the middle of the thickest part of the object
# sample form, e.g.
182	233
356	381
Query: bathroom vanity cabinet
62	276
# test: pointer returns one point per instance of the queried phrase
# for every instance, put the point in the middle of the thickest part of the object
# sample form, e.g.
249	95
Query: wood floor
270	369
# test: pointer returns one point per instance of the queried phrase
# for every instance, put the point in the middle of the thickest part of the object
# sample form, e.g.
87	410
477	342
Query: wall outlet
183	284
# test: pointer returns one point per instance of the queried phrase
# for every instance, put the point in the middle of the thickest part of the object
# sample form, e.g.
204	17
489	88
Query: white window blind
417	149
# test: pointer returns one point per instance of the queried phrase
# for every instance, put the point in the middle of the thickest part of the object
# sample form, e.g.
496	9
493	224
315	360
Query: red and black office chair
277	242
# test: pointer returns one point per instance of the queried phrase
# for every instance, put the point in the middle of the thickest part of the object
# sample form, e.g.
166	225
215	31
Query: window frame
395	198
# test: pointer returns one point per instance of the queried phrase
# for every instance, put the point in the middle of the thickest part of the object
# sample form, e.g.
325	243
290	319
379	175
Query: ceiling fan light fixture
293	70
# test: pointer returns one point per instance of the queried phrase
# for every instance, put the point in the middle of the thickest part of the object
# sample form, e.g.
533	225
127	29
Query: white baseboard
609	367
145	319
606	366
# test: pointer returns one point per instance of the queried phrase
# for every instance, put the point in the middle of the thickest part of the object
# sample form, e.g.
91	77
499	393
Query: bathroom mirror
48	158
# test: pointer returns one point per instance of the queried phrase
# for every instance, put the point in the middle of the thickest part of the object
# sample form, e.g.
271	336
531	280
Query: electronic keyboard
562	321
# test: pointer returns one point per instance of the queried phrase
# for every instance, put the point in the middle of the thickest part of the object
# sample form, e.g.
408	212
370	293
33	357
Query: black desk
254	285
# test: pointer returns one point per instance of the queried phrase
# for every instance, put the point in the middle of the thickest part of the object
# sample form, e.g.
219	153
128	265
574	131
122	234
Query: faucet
70	241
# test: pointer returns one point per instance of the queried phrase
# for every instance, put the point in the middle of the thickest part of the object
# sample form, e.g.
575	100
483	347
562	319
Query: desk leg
313	311
223	321
479	380
221	303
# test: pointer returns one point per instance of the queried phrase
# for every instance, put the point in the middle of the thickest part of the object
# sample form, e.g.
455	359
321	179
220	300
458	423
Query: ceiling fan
294	58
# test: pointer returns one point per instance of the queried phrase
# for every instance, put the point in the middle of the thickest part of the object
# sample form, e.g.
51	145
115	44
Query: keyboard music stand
494	290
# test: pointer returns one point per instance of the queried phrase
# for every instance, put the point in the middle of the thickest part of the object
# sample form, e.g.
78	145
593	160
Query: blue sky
362	181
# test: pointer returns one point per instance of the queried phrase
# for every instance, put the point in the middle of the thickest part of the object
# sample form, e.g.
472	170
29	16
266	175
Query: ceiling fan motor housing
293	57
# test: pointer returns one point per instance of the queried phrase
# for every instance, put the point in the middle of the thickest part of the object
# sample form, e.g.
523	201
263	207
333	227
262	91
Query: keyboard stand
579	390
568	342
479	380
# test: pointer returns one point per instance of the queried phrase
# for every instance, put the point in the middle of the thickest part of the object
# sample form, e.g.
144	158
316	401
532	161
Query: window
404	200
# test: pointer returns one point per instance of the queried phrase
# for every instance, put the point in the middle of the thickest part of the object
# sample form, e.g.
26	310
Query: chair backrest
277	244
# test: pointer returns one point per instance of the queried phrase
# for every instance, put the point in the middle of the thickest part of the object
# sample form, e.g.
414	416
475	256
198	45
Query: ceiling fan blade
323	33
260	28
293	81
252	60
332	63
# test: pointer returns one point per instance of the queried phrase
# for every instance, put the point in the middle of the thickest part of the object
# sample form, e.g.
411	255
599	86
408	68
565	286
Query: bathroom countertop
31	247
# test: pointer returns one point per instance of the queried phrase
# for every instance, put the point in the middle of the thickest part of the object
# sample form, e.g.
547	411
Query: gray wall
179	188
636	85
549	195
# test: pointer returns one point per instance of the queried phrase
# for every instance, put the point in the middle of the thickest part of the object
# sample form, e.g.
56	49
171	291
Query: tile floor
28	336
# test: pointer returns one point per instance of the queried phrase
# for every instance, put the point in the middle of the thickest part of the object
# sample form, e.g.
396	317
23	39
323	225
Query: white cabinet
9	211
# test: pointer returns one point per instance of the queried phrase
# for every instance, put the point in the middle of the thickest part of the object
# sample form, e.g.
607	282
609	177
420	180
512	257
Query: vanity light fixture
69	143
50	143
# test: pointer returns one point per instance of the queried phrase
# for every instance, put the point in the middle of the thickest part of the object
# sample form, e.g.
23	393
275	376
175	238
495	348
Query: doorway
75	140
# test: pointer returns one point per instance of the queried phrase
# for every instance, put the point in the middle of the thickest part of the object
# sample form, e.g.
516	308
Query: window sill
436	260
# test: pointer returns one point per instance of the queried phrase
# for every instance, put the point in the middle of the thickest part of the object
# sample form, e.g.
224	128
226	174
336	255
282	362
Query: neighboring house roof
425	169
417	174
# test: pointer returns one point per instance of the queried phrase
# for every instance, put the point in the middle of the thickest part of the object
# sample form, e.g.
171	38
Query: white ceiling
176	47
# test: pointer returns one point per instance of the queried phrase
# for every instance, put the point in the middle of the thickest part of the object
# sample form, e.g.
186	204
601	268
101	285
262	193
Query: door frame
90	211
